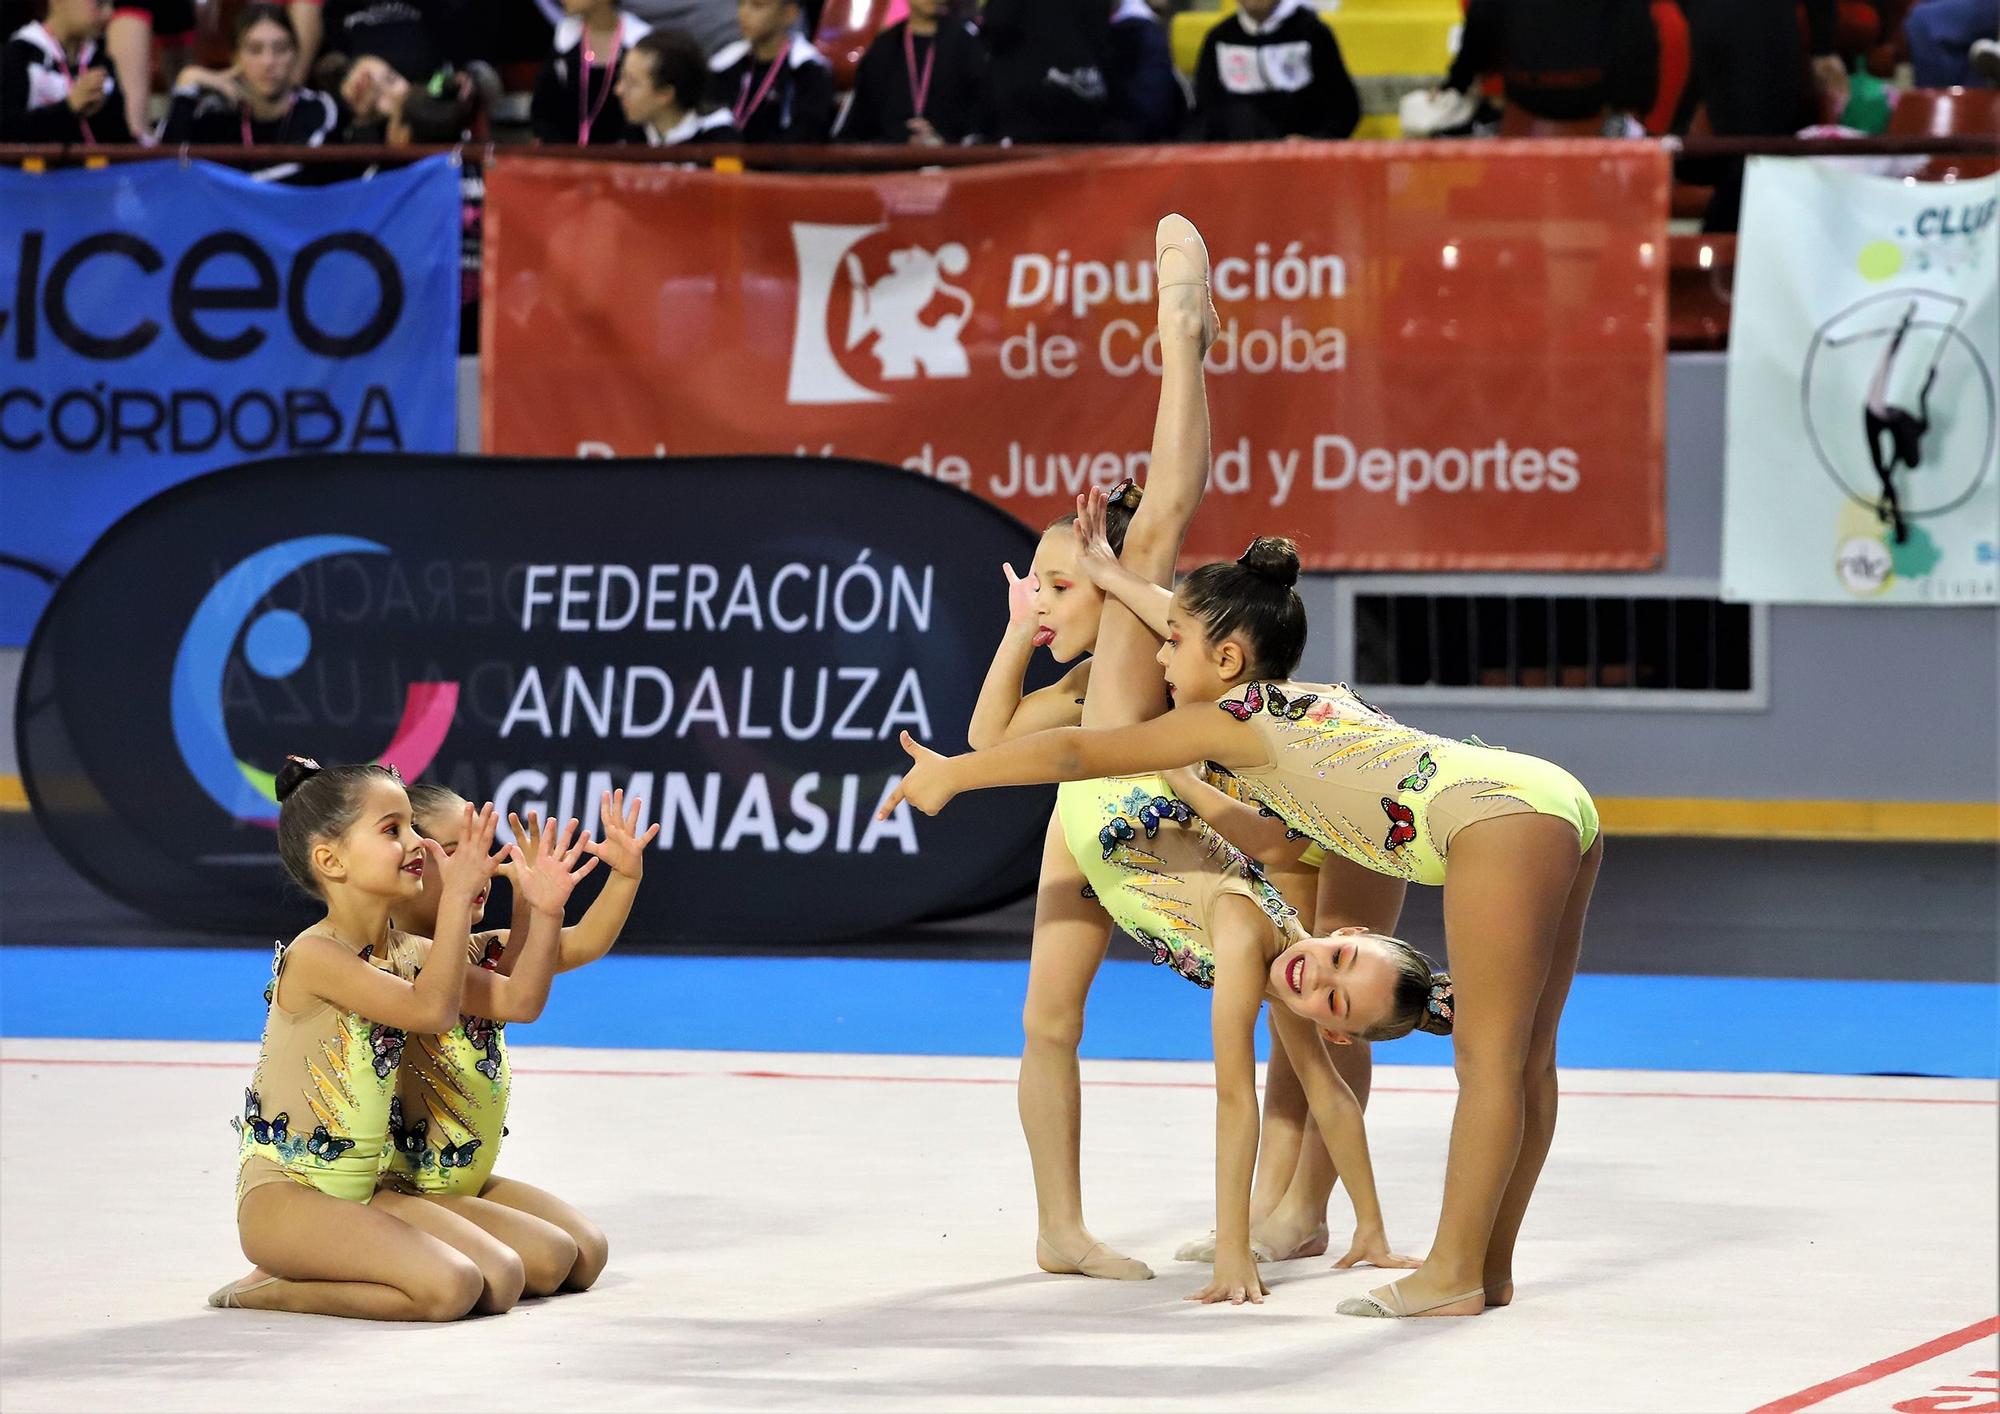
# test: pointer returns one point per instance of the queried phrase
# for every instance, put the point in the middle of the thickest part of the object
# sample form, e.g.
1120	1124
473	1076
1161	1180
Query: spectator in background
56	83
1943	35
418	38
711	23
1148	103
135	27
575	94
1564	60
922	81
776	86
1749	71
661	91
1047	73
1272	70
255	101
384	107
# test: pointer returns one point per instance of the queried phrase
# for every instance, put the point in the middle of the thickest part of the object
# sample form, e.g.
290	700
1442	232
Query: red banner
1434	356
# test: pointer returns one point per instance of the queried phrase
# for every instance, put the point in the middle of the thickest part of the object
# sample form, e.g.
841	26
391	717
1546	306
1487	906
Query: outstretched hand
1095	558
623	848
1235	1280
926	786
466	869
547	882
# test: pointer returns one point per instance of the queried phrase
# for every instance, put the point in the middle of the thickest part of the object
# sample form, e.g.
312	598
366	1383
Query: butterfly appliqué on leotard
1402	824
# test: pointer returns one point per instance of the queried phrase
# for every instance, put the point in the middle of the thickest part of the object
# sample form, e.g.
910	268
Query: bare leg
1071	935
1538	1128
330	1257
1508	888
547	1253
501	1273
593	1249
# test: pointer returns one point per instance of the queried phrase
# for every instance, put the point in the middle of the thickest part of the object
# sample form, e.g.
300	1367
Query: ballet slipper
1177	234
1387	1301
1499	1293
229	1296
1202	1249
1098	1261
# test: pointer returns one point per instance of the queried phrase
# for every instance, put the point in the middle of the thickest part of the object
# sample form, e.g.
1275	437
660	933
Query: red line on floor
1881	1369
580	1072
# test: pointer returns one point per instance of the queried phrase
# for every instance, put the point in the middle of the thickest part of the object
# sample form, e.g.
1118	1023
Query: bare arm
128	40
1259	834
1003	713
310	21
623	852
1233	1020
1196	732
1338	1115
1149	602
520	994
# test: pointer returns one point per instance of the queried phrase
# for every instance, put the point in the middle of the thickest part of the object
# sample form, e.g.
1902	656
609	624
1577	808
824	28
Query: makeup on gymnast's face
445	830
1344	983
1067	606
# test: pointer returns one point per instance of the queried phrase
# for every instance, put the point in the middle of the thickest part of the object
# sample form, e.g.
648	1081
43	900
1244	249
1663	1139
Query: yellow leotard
450	1110
1388	797
1158	869
317	1110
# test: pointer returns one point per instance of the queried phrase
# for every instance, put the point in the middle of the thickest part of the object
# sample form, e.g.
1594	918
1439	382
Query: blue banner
161	319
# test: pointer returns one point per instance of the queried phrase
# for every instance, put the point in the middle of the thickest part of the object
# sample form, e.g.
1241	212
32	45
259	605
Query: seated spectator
574	102
661	89
776	86
711	23
55	79
1564	60
1147	101
922	81
386	108
136	26
1943	35
1047	73
1272	70
255	101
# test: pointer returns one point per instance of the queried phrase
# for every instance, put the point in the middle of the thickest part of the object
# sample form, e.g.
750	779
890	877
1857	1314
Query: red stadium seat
1949	112
848	27
1676	59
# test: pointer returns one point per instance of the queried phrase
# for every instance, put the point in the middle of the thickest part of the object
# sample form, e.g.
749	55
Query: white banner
1863	456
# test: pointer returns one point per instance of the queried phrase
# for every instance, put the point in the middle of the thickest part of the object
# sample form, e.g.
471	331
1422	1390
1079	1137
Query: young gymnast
344	995
452	1090
1157	869
1513	840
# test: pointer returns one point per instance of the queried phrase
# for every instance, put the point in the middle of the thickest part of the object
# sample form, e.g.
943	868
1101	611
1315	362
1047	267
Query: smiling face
378	854
1344	984
1197	668
1067	606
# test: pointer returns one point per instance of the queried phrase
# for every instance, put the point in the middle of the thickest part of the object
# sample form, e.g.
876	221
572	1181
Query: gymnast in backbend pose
1513	840
1149	861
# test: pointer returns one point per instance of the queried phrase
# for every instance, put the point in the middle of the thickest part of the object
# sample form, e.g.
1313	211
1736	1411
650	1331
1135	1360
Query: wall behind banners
1432	358
486	623
161	319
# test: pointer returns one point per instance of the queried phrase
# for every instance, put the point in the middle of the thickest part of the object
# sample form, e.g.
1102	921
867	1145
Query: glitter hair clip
394	774
307	762
1439	1004
1120	492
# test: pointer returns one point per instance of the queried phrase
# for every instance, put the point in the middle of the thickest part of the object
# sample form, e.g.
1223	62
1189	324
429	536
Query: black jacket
1047	75
1562	59
555	113
1272	80
884	87
795	106
34	94
1147	103
203	116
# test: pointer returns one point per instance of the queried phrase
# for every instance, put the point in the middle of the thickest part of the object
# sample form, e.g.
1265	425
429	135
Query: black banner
736	640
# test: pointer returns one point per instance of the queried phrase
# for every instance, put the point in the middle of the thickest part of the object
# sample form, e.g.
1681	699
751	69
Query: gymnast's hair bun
296	771
1126	495
1274	558
1437	1009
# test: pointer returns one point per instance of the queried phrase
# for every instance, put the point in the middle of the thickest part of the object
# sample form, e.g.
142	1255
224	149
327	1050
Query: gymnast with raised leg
344	995
1511	838
1157	869
453	1087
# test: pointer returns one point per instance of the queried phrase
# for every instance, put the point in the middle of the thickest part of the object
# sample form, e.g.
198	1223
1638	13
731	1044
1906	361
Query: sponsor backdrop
160	319
1862	465
736	641
1447	356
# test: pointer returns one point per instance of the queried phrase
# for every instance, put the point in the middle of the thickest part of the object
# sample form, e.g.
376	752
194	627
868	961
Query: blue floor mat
926	1007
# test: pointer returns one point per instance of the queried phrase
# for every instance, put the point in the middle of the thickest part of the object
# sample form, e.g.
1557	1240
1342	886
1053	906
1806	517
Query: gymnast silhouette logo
1924	437
908	317
276	644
